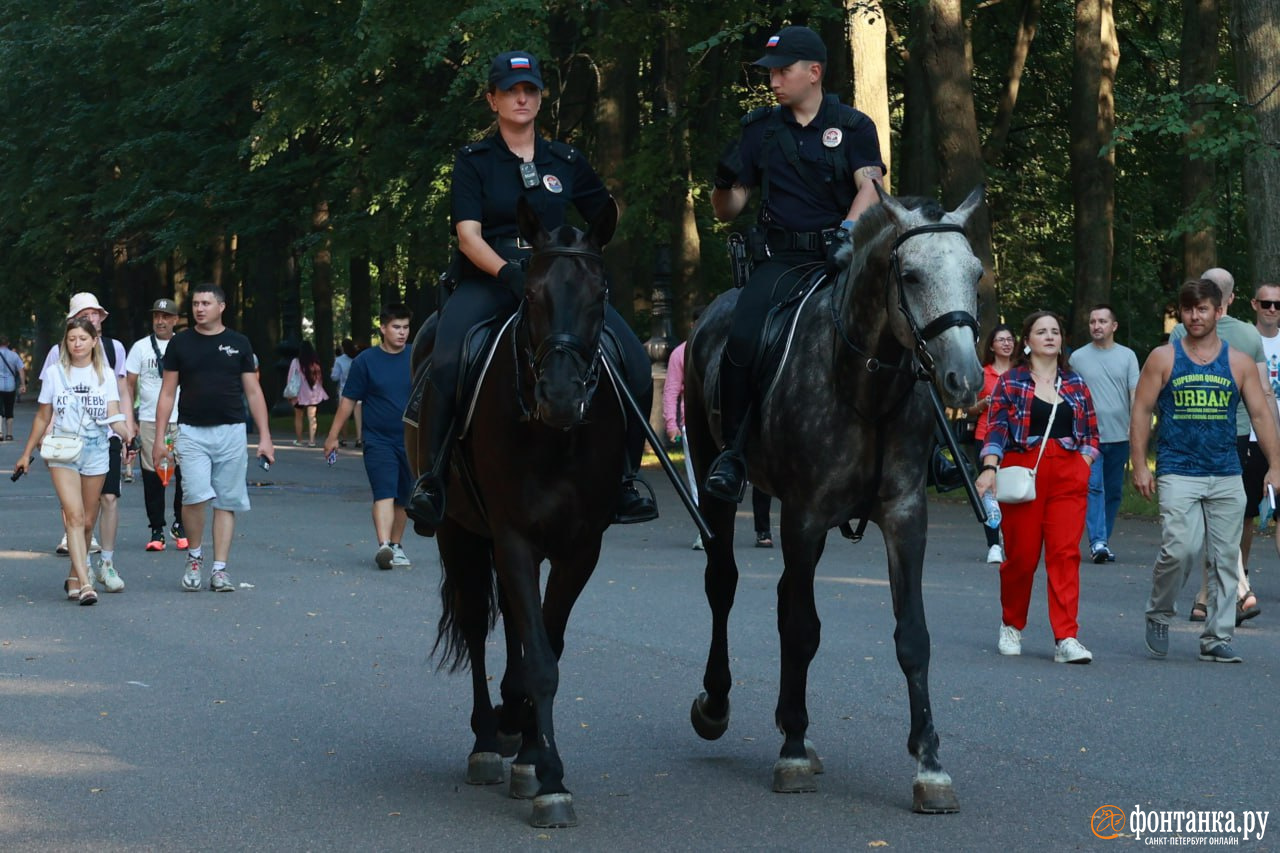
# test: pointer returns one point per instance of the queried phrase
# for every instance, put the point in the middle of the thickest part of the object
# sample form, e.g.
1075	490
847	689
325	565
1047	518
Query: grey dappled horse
845	432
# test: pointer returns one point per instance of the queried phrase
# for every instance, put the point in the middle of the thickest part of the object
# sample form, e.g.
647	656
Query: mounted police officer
488	178
816	162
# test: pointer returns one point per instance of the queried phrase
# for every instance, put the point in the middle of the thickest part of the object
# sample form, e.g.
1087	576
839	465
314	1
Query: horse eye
910	278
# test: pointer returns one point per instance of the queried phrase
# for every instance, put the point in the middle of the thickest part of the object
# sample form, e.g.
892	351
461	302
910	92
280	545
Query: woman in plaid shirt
1022	415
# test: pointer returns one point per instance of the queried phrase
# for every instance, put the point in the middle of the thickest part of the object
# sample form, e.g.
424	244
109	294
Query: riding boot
426	504
634	507
727	479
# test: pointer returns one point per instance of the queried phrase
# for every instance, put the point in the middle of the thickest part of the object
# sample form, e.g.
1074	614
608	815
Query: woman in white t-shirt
78	396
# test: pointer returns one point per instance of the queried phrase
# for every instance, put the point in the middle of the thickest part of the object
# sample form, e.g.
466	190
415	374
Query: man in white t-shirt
103	570
145	368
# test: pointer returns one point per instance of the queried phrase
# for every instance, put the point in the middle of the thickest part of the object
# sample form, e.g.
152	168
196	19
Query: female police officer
488	177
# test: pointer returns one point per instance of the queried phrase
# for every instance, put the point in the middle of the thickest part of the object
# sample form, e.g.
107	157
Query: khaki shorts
147	434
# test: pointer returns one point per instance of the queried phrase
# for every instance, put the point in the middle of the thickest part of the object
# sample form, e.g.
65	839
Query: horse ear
527	220
896	210
962	213
601	229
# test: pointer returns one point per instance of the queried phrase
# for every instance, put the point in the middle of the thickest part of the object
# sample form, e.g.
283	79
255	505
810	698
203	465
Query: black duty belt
511	243
781	240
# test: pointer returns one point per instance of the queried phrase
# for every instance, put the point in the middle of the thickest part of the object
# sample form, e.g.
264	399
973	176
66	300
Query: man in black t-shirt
214	366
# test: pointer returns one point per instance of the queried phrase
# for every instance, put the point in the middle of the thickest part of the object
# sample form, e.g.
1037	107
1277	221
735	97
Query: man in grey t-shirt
1110	370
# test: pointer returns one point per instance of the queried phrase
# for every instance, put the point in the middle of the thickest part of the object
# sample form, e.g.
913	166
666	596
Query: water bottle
993	510
165	471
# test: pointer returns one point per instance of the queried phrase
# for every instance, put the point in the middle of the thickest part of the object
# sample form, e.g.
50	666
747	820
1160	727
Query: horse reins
586	358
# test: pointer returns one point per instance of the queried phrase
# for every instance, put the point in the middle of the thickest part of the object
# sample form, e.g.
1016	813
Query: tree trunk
264	258
1255	36
1028	21
956	124
617	123
322	286
1093	175
361	300
1199	65
868	37
918	174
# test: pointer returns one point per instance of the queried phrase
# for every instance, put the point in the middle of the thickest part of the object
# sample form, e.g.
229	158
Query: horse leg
710	712
904	536
517	727
518	573
799	633
468	564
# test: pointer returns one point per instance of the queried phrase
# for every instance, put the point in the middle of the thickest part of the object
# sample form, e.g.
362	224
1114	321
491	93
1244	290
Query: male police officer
816	162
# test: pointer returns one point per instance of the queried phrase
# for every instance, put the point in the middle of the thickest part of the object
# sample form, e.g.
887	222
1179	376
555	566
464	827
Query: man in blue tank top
1196	384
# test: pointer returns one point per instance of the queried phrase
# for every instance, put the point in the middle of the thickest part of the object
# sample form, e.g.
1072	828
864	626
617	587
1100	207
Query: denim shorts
214	462
95	457
387	467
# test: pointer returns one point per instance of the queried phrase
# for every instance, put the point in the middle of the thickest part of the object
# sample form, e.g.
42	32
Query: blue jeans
1106	486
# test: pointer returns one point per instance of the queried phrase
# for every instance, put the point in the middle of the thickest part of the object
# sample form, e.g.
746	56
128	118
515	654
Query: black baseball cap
792	44
515	66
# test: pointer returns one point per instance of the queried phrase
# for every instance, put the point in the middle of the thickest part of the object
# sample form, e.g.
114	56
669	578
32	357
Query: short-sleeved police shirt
793	203
487	183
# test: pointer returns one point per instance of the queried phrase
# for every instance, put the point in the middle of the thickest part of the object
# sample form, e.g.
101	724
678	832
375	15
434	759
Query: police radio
529	175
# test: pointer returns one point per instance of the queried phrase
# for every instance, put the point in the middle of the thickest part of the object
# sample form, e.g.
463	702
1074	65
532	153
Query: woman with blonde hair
78	397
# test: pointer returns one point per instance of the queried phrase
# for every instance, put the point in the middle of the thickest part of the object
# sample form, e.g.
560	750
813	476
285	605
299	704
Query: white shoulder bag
1016	484
64	449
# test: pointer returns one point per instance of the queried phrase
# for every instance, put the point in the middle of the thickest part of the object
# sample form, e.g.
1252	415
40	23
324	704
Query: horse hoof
484	768
707	727
509	743
811	752
793	776
934	798
553	811
524	782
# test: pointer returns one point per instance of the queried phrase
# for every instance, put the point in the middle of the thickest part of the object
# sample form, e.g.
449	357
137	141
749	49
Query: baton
941	417
681	489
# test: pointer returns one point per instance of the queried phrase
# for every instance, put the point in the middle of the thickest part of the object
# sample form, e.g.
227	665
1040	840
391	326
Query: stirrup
640	509
727	479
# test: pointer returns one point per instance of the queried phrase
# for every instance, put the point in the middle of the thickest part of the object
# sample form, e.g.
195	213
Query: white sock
108	556
219	566
194	552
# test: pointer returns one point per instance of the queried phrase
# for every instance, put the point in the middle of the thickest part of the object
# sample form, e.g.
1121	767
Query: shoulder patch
474	147
563	150
756	114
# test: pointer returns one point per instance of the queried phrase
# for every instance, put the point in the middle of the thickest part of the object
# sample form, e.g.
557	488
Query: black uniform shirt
793	203
487	183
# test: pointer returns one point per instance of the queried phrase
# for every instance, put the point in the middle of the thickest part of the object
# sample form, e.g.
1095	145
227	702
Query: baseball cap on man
81	301
792	44
515	66
165	306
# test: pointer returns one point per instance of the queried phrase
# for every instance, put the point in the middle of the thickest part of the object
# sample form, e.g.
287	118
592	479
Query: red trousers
1053	522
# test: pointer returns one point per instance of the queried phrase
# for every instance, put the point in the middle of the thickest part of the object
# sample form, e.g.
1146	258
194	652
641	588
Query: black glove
512	275
838	241
728	167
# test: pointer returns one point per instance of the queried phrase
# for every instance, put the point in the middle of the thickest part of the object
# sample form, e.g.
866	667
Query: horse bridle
923	364
586	358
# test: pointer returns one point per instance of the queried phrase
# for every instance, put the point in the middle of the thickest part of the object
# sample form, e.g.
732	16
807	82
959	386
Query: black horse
845	432
535	477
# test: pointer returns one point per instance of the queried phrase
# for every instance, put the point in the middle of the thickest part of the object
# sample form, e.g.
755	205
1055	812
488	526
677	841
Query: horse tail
468	604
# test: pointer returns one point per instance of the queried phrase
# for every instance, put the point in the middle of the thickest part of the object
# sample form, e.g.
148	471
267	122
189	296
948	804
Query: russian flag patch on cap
773	42
520	63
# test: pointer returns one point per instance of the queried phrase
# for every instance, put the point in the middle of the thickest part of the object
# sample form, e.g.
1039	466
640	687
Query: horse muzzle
957	373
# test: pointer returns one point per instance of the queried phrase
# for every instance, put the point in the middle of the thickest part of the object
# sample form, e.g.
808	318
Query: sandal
73	592
1199	612
87	596
1243	611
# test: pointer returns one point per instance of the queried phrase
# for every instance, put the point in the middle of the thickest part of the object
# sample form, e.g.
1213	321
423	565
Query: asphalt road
303	712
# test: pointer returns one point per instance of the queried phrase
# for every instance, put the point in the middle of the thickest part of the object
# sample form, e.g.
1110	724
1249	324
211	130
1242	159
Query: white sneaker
384	556
63	551
191	577
995	554
104	572
399	559
1071	650
1010	642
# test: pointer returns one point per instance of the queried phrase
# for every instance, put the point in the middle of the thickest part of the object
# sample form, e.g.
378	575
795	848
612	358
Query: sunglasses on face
1268	304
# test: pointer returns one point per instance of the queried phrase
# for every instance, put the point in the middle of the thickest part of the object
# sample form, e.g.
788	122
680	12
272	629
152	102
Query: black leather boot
727	479
635	505
427	503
